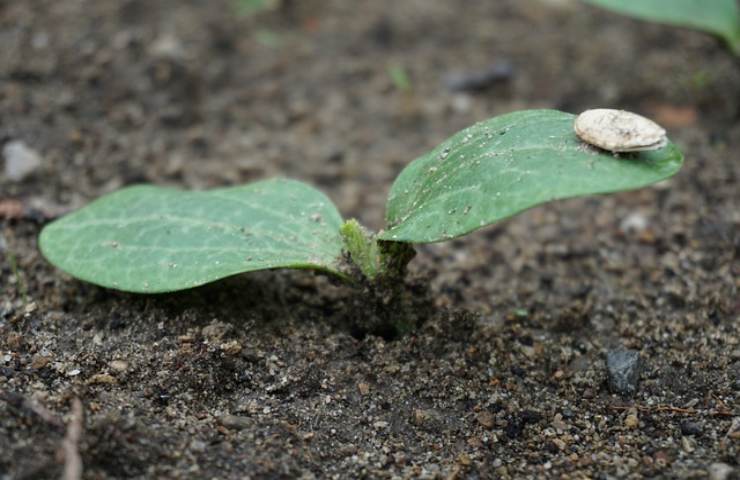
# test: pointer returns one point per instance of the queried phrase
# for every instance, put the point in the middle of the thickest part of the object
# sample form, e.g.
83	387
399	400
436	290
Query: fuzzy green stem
362	248
735	43
375	258
383	265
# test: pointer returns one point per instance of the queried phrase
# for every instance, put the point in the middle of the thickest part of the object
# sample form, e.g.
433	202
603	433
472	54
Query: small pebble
231	348
720	471
635	222
119	365
479	79
632	421
30	308
215	330
235	422
486	419
20	160
364	388
690	428
40	361
623	371
198	446
558	423
559	444
428	419
167	46
102	379
419	417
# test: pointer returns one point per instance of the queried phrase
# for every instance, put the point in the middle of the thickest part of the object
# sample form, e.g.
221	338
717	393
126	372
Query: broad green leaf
152	239
720	17
505	165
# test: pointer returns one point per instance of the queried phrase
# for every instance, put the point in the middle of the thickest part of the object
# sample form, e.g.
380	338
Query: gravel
623	371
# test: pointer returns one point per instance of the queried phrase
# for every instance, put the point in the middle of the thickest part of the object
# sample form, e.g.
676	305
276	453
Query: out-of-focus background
260	376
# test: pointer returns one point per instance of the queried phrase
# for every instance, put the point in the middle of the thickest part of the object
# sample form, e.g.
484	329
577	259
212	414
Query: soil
265	375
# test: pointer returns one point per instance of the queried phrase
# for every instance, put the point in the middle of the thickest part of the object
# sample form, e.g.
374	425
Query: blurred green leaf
719	17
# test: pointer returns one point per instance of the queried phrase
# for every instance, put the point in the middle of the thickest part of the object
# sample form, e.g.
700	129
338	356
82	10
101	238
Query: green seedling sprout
399	77
718	17
252	7
151	239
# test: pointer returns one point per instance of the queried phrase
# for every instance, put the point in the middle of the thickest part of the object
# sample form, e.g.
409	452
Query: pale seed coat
619	131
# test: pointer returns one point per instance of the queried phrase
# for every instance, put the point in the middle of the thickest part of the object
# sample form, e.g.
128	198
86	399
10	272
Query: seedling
399	77
718	17
252	7
152	239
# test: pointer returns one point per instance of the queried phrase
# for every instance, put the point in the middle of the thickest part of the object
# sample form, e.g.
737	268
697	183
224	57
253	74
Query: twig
657	408
21	403
721	410
72	460
672	409
734	431
723	413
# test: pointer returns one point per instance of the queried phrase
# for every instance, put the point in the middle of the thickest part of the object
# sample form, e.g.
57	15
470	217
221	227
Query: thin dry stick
734	431
19	402
721	410
43	412
72	460
656	408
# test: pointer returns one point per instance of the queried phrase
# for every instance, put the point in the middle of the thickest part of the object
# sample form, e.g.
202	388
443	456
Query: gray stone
690	428
20	160
720	471
623	371
235	422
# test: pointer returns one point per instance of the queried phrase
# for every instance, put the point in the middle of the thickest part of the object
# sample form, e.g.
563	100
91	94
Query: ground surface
261	376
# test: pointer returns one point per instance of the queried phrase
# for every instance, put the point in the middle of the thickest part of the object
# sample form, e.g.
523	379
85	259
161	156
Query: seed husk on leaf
619	131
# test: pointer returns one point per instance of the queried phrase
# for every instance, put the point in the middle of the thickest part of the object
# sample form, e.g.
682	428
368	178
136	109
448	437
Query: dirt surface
264	375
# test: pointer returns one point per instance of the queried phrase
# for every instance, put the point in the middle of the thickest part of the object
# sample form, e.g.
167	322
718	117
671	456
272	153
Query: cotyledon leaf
720	17
151	239
505	165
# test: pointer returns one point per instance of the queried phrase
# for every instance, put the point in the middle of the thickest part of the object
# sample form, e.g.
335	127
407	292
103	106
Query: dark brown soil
264	375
